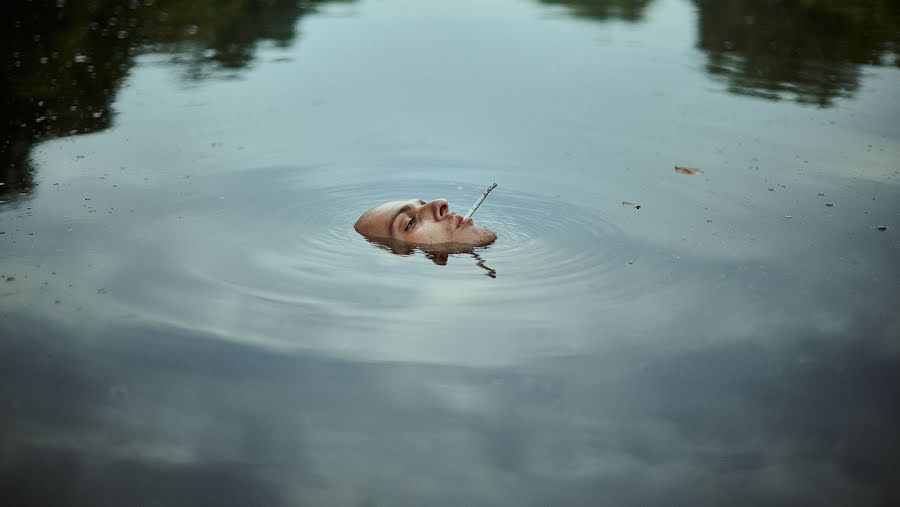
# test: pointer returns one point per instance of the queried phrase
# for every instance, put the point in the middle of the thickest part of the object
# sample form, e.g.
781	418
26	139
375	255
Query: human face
422	223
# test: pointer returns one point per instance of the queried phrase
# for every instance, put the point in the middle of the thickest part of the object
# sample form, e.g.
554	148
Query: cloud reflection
180	419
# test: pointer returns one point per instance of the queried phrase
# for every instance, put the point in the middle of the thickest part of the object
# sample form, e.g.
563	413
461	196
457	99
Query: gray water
188	318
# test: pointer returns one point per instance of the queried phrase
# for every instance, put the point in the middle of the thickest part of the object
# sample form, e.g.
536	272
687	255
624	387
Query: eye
410	224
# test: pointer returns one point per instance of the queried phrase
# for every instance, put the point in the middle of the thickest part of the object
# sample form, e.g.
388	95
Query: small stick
478	202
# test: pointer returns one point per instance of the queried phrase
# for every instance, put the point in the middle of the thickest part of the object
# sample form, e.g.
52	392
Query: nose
439	208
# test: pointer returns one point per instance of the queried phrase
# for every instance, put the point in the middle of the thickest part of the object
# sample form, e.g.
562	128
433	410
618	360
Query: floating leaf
687	170
631	205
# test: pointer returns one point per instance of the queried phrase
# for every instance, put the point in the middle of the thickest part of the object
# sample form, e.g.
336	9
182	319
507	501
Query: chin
479	237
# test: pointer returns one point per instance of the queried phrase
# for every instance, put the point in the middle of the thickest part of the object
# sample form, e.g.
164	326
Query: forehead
377	221
390	208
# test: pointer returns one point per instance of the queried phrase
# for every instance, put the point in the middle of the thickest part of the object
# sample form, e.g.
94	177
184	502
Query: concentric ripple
544	244
281	263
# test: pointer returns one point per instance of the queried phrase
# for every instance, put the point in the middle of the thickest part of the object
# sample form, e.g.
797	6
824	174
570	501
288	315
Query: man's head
422	223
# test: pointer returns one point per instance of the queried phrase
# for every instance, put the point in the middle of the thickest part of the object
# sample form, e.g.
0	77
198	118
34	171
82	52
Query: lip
461	222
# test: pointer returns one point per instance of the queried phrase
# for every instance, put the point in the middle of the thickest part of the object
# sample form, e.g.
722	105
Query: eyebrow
403	209
400	211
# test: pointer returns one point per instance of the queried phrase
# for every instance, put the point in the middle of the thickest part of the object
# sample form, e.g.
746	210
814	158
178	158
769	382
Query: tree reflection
628	10
811	51
65	60
808	50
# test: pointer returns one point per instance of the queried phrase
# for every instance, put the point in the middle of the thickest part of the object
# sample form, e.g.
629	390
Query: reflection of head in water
429	225
438	254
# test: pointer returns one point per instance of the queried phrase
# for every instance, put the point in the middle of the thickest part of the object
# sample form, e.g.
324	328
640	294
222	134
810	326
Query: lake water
187	316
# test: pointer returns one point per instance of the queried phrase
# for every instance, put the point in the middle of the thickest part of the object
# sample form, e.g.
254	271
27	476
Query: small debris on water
881	227
829	204
687	170
631	205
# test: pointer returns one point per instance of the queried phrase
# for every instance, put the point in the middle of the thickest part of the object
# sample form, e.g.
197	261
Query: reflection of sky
801	420
189	340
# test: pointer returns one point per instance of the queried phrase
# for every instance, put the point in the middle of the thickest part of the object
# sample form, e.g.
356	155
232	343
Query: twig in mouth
478	202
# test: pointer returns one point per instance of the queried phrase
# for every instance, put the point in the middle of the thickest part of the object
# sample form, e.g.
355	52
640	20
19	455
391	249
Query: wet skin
417	222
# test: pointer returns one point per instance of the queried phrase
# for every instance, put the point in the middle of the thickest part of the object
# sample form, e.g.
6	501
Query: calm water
188	318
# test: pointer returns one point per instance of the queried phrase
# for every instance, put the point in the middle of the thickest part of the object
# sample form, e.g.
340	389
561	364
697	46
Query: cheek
420	234
433	233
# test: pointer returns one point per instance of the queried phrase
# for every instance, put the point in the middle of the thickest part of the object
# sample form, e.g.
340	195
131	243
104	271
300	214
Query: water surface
188	318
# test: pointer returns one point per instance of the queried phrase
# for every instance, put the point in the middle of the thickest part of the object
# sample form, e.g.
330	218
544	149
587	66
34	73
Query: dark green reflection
64	61
810	51
628	10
